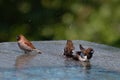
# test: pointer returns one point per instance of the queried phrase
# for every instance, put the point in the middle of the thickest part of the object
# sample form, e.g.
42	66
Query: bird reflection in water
71	62
22	60
86	65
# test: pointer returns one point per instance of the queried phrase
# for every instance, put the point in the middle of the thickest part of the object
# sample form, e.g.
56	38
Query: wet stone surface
52	65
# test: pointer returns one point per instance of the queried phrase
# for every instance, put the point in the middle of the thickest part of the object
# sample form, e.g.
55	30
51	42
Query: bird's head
18	37
90	52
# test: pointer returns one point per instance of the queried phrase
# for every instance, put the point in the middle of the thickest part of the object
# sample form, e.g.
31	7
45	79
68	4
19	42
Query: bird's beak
17	37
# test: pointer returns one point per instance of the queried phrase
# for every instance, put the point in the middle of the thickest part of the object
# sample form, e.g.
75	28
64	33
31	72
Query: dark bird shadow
22	60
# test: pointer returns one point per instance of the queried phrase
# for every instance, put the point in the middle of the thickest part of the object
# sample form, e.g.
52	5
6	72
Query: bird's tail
81	47
38	51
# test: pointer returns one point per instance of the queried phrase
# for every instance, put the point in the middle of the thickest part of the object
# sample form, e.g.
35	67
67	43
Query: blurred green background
92	20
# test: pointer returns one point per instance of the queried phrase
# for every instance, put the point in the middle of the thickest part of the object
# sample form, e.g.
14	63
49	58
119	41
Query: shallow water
59	73
52	65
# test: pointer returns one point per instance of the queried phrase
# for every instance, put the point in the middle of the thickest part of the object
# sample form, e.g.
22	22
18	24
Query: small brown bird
87	52
84	54
26	45
68	50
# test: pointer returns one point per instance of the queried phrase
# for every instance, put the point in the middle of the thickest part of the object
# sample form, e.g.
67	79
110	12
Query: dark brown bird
87	52
68	50
26	45
84	54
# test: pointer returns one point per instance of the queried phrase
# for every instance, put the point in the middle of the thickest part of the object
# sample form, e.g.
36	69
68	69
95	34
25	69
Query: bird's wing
29	44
